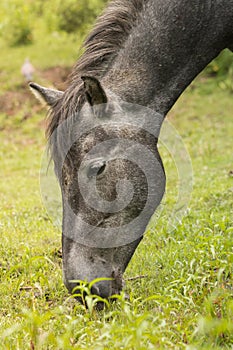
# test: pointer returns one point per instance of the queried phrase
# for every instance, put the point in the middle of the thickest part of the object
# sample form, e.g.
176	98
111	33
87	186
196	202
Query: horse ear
94	92
50	96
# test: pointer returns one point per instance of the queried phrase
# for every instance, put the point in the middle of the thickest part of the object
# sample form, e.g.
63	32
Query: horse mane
100	49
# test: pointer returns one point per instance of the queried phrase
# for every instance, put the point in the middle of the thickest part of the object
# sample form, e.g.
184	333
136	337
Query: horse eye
96	169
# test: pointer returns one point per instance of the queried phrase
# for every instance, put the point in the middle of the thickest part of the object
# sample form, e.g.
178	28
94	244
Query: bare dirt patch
57	76
13	101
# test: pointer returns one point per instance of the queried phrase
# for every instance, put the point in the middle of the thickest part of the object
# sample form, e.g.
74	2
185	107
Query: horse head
111	178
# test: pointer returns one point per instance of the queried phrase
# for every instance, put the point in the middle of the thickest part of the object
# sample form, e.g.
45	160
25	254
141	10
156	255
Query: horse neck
171	44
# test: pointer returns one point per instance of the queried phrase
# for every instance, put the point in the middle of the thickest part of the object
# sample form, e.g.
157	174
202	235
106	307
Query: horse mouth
106	289
100	269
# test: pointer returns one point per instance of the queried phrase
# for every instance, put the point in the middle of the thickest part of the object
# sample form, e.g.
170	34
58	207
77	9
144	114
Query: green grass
184	301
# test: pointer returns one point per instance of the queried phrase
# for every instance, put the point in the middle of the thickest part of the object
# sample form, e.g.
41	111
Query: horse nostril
95	290
117	283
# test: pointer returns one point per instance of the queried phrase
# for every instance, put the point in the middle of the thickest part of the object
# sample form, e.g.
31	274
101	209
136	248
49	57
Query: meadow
179	282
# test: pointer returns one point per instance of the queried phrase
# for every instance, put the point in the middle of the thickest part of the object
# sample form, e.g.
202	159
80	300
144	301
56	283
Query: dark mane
100	49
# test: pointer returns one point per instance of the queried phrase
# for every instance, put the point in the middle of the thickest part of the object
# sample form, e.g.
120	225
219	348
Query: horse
139	53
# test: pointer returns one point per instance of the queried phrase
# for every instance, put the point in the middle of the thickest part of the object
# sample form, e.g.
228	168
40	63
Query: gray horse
140	52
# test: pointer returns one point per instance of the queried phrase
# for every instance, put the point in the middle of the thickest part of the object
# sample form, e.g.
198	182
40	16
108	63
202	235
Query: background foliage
19	20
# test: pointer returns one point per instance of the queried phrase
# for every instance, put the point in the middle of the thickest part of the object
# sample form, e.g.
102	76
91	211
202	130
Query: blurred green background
51	31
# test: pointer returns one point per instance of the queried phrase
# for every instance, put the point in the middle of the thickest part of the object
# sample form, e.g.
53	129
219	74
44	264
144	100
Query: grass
184	301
